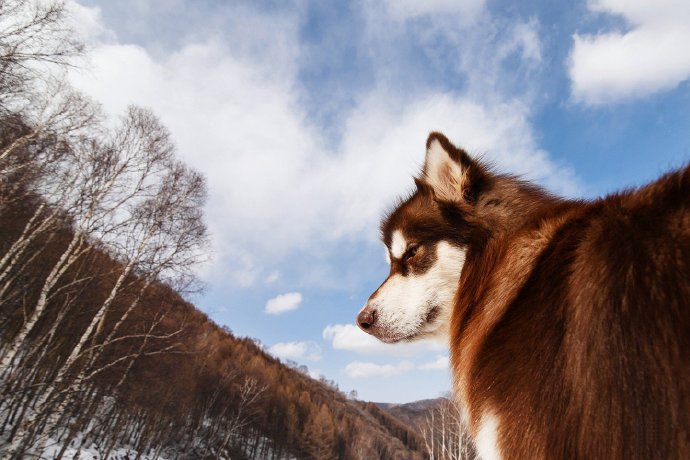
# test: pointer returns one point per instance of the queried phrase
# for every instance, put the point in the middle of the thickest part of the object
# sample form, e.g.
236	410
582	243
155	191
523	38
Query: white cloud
463	10
283	303
350	338
88	22
315	374
525	36
441	362
276	186
385	139
652	56
363	370
272	277
296	350
245	270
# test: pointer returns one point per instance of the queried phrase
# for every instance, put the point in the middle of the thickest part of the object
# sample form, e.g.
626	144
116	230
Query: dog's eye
411	251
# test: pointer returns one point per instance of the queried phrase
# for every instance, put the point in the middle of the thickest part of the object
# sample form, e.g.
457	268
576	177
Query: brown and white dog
568	321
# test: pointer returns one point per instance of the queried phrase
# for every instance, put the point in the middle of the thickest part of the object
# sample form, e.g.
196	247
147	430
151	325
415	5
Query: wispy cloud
463	10
348	337
441	362
652	56
283	303
296	350
88	22
272	277
363	370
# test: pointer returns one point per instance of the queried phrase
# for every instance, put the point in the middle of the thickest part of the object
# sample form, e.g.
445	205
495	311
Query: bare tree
33	34
40	167
445	436
146	209
37	44
36	142
96	182
249	393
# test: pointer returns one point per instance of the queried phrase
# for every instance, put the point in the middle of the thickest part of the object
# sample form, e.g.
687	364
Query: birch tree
99	179
445	437
39	166
146	209
34	37
37	44
38	109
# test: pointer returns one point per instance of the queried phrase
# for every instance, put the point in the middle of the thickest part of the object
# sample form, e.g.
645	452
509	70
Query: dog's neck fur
506	216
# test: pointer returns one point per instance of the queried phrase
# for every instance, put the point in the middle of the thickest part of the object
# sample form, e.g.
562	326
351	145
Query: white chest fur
486	440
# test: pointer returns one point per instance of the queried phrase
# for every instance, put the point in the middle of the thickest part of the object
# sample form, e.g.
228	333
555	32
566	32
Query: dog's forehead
408	219
393	224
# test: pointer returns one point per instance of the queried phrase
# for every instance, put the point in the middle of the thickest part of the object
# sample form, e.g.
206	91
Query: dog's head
427	237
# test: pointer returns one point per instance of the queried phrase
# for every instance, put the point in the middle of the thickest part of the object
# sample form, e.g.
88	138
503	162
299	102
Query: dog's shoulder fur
572	328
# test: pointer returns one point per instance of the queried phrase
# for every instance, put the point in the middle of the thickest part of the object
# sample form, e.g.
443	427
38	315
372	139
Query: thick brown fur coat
571	324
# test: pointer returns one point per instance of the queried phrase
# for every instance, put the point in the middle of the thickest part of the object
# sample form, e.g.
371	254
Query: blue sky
309	118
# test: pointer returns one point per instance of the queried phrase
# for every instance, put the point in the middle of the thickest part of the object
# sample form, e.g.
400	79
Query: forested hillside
163	378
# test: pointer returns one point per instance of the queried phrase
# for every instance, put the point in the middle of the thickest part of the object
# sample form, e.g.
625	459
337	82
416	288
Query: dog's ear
448	171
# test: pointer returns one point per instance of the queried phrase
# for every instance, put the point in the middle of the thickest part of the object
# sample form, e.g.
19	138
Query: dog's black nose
366	318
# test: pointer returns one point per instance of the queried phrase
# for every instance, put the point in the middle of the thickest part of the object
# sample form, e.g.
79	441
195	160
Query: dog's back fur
570	329
574	330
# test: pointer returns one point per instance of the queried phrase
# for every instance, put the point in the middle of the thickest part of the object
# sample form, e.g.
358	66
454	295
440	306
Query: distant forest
101	228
